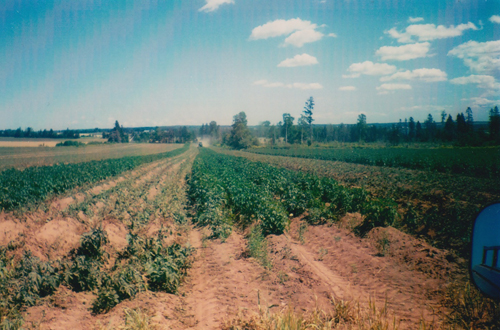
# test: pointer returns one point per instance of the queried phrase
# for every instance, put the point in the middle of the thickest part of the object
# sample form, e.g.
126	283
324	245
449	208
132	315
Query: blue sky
84	64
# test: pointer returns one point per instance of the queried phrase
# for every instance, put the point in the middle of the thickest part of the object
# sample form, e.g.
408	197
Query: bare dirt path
355	270
221	283
331	265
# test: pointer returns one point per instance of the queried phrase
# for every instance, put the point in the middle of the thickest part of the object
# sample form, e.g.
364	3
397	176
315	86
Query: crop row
34	184
478	162
145	263
438	207
228	190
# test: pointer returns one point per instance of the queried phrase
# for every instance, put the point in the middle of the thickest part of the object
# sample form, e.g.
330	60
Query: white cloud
299	32
478	102
280	27
495	19
415	19
212	5
299	60
299	38
482	81
265	83
481	57
424	74
403	53
369	68
347	88
392	87
333	35
428	32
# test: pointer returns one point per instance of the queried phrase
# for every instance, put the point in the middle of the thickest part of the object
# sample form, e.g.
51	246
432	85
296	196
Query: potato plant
34	184
227	189
477	162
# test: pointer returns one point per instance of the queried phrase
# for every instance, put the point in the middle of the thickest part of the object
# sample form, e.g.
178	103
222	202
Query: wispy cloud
299	60
480	57
297	85
424	74
306	86
403	53
347	88
480	102
212	5
415	19
429	32
495	19
393	87
369	68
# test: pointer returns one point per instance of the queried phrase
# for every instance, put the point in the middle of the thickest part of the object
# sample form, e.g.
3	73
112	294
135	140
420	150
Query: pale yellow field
20	156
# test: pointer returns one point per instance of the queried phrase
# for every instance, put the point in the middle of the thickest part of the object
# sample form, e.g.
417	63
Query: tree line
31	133
460	130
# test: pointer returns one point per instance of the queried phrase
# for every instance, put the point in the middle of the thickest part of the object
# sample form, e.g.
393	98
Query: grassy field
22	157
29	142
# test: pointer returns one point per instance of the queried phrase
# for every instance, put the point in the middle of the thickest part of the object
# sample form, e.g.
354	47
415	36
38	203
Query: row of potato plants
34	184
145	263
227	190
431	205
479	162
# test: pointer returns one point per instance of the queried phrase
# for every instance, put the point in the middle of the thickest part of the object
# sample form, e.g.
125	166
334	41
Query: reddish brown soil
310	267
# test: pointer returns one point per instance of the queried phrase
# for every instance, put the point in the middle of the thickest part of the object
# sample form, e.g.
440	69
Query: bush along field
229	190
21	188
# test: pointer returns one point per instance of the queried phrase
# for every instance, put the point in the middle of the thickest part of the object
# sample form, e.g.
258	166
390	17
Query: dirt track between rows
224	283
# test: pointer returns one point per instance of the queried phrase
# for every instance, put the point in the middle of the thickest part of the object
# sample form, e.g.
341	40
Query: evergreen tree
117	135
430	127
308	112
449	129
418	131
494	124
461	125
411	129
361	127
469	120
443	116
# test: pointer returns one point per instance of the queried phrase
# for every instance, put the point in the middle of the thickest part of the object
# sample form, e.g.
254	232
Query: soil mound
414	252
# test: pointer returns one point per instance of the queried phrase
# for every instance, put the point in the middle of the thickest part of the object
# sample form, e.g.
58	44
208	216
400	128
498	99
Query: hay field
24	156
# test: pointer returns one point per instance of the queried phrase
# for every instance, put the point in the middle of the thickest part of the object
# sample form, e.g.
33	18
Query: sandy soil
331	263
